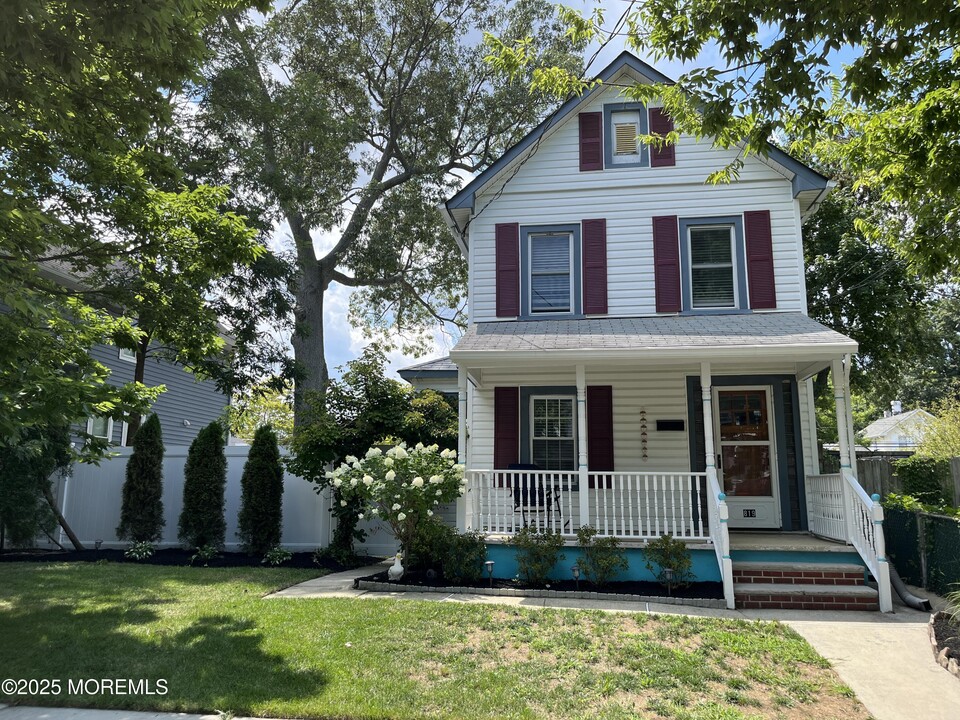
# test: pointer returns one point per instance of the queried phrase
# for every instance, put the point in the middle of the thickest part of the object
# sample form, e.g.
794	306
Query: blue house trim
740	259
576	270
609	109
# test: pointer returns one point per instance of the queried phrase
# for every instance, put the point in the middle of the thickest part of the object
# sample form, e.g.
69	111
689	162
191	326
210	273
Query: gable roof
805	180
439	368
885	425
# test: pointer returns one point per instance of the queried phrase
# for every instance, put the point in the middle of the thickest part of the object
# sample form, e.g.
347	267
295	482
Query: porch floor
784	541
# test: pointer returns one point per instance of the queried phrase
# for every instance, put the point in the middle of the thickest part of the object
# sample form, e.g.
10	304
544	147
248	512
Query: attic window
625	129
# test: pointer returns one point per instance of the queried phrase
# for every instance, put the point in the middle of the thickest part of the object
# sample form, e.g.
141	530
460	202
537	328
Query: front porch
690	443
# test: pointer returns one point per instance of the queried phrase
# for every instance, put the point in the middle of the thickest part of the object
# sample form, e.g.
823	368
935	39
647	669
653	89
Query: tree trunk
139	370
308	347
48	496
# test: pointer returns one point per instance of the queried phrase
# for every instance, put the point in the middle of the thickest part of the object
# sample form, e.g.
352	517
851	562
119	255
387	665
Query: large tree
887	108
354	120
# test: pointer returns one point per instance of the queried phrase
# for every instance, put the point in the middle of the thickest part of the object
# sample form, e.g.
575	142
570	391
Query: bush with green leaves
141	509
602	557
667	553
140	551
204	554
204	481
924	478
277	555
260	524
537	554
458	556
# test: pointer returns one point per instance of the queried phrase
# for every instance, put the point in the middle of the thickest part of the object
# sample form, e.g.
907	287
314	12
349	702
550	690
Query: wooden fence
878	475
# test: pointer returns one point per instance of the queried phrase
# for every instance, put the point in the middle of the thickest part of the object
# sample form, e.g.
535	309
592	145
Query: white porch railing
632	505
840	509
719	514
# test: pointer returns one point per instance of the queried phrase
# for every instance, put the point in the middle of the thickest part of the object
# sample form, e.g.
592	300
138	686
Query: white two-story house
639	355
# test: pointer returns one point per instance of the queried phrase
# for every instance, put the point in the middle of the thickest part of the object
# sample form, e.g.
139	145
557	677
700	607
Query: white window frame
624	117
125	426
109	435
532	425
733	266
530	274
127	355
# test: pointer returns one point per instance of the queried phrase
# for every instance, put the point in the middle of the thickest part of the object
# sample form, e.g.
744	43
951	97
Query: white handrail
719	515
865	532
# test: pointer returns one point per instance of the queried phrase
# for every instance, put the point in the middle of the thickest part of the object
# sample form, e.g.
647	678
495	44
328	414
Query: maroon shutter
661	124
591	141
600	429
759	247
506	427
666	263
508	269
595	267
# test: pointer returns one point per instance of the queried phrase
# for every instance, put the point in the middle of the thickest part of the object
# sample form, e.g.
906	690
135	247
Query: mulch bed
947	634
698	590
175	556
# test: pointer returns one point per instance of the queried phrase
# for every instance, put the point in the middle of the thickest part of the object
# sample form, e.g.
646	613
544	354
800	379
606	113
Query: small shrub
141	509
924	478
537	554
463	561
140	551
338	555
277	555
259	525
668	553
204	554
602	557
953	605
204	481
429	545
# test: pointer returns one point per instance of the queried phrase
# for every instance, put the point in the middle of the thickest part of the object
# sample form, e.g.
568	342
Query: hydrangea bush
402	486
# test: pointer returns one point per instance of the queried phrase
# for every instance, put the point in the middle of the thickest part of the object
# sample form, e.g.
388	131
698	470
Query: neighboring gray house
439	375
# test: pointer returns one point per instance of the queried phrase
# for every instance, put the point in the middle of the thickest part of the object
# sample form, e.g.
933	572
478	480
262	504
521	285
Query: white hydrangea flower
400	453
328	474
401	517
337	482
351	459
396	506
391	476
418	482
368	480
375	511
360	516
419	446
448	454
429	512
388	461
343	503
439	492
436	479
353	482
374	452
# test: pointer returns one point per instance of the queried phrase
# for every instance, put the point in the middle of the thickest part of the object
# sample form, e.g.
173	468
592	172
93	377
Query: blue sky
344	342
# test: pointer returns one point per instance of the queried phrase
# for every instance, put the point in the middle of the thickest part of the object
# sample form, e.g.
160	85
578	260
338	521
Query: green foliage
459	556
25	483
668	553
912	504
537	554
276	555
953	605
924	478
941	438
204	554
204	483
260	524
429	545
141	511
141	550
263	405
602	558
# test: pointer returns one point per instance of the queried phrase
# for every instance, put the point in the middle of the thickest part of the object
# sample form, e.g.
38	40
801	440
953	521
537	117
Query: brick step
798	573
752	596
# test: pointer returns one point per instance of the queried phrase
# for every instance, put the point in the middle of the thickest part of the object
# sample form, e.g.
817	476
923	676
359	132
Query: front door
746	456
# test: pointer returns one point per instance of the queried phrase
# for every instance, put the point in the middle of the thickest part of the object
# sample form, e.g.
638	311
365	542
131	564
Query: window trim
576	270
732	241
109	435
609	157
532	398
740	292
526	417
125	426
132	358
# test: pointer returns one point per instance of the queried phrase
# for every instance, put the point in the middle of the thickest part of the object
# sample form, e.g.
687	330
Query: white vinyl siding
549	189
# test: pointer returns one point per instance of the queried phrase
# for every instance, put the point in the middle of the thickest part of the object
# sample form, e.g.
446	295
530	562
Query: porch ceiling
786	335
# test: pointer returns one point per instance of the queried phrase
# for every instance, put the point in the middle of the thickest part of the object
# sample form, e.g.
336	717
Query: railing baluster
630	501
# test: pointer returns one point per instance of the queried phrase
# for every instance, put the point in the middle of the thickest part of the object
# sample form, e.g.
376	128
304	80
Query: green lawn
220	646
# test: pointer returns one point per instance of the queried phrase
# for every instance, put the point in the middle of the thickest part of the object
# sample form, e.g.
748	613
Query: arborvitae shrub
261	497
204	481
141	513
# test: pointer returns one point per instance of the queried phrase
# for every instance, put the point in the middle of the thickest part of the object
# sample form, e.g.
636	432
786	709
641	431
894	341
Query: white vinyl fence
90	501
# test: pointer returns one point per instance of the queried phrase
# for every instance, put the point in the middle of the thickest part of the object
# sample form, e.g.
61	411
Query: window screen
711	267
549	273
553	436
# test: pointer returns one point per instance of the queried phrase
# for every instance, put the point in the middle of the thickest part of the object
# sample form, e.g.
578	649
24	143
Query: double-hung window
551	272
100	427
553	435
713	267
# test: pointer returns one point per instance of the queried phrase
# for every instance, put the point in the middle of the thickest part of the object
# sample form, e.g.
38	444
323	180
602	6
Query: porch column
840	399
851	431
464	519
582	460
706	393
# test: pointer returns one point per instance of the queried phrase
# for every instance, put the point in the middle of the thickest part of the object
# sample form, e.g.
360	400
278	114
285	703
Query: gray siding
187	400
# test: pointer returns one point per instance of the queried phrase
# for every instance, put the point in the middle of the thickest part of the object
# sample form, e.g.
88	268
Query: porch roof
700	336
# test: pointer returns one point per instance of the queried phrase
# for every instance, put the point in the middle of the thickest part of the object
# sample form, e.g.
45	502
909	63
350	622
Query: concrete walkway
885	658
